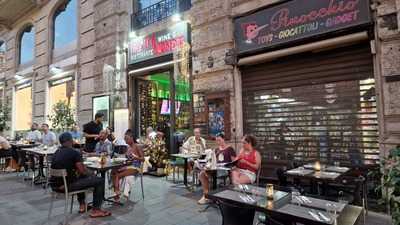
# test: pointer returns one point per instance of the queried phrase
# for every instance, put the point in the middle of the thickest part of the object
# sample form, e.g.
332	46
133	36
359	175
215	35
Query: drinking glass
336	163
331	210
296	196
342	199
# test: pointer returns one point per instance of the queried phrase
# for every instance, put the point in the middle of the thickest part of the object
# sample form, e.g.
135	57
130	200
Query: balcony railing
158	12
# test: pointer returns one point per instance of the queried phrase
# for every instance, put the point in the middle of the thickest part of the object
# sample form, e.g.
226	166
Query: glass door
155	98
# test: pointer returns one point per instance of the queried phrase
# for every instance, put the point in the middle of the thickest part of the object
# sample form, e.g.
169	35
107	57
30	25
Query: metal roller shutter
314	106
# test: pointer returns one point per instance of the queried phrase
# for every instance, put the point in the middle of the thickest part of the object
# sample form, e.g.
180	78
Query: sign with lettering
158	44
296	20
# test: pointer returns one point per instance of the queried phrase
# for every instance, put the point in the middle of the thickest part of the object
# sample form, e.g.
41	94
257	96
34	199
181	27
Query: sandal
83	211
101	214
117	197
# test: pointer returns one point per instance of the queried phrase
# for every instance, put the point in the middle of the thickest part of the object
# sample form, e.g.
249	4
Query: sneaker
203	201
9	169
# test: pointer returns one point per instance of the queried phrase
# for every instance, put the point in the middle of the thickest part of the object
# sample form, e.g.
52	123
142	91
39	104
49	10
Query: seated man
34	134
104	145
49	137
195	144
77	179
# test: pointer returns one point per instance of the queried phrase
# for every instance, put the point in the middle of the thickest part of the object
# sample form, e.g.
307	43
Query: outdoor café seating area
312	193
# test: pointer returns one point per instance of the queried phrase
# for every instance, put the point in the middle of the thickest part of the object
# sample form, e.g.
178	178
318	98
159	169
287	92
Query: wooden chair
62	173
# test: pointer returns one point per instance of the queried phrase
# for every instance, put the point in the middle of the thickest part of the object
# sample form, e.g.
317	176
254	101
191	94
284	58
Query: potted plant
62	117
391	184
4	117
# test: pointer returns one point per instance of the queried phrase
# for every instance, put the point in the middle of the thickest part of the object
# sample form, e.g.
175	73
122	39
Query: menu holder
231	164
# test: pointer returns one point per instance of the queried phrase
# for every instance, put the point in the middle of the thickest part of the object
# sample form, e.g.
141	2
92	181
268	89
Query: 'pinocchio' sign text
296	20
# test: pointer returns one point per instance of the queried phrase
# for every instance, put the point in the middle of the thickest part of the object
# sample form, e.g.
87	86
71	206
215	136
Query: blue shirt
104	147
76	134
49	138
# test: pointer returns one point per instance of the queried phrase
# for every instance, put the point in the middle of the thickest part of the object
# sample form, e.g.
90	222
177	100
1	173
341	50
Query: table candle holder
317	166
270	191
270	204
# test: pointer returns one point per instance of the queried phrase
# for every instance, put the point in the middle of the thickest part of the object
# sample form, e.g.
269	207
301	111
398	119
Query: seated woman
224	154
249	162
135	156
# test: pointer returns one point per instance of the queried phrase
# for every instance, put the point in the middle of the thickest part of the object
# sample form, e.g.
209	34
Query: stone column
104	30
388	58
41	67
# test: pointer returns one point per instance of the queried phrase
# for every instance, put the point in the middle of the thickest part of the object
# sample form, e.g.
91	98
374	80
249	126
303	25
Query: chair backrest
258	176
236	215
60	173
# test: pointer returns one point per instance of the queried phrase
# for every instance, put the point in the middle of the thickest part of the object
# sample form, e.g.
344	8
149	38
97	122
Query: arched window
65	24
2	56
27	45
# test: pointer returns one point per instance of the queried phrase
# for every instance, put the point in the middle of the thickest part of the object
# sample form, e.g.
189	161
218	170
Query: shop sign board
296	20
157	44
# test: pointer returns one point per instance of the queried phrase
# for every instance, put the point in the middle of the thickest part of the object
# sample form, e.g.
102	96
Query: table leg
214	179
185	172
40	176
109	199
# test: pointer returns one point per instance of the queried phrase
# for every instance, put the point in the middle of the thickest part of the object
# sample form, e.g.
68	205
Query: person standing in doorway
92	130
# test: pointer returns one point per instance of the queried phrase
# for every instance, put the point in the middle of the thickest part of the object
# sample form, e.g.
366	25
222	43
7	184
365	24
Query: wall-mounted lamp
18	77
55	70
132	34
176	17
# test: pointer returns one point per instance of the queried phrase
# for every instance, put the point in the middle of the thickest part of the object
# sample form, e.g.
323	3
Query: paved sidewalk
164	204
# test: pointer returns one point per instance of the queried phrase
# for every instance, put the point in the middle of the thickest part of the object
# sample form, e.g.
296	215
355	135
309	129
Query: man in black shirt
77	179
92	131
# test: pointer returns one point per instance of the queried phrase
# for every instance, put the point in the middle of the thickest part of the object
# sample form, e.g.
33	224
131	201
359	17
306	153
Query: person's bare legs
234	176
204	182
239	178
243	179
118	176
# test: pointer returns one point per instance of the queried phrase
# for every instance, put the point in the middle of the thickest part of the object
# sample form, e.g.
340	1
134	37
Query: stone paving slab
164	204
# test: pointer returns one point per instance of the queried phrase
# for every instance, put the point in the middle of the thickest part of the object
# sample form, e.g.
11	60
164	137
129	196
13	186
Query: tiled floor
165	203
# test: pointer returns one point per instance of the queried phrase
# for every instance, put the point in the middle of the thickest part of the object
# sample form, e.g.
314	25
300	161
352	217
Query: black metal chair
268	220
233	214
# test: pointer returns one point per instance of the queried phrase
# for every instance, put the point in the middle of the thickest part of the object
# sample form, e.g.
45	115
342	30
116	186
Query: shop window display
64	91
23	110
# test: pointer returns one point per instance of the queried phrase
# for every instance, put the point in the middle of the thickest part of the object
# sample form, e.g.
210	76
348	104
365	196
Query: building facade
326	91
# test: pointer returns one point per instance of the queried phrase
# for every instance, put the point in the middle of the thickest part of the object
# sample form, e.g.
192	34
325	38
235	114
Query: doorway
154	97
